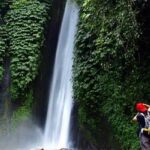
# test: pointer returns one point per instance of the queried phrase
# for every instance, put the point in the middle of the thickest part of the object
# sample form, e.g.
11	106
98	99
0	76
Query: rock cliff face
111	65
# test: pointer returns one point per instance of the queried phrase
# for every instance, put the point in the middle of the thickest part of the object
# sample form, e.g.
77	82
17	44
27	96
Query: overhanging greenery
22	28
25	27
107	77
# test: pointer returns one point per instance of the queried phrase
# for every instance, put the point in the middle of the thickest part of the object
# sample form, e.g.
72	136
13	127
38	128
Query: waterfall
56	134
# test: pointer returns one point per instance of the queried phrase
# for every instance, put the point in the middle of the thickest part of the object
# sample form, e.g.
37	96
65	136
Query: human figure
143	118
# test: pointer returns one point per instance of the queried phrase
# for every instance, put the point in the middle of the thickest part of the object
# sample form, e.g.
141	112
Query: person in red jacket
143	118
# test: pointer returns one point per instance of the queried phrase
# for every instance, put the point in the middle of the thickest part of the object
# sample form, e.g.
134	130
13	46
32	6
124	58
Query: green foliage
25	28
4	4
23	112
22	28
3	47
107	78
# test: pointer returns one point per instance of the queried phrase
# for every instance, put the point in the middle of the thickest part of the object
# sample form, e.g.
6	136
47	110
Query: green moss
22	29
25	27
23	112
106	74
3	47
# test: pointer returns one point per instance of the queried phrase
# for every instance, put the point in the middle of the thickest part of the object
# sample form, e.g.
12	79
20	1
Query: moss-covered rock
25	28
22	31
107	76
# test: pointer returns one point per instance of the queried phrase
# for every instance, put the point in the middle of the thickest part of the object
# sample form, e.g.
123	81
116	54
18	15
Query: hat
140	107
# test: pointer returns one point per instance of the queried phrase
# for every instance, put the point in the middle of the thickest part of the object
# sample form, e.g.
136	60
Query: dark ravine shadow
5	99
42	83
104	138
143	19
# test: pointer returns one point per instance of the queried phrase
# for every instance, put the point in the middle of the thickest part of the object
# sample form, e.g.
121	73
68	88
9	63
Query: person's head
140	107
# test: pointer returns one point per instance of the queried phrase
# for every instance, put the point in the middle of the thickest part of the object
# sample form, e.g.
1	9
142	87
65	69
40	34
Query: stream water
56	134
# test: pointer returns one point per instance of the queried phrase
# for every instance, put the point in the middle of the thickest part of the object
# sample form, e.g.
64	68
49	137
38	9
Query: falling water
60	99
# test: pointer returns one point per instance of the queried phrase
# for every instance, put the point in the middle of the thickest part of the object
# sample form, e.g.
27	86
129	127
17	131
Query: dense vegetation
22	24
110	73
111	62
2	49
25	29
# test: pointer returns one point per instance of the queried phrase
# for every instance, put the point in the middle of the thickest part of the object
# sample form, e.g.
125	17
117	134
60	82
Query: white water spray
60	100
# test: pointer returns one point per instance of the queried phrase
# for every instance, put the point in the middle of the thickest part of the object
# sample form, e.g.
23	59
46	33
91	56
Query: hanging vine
25	27
105	68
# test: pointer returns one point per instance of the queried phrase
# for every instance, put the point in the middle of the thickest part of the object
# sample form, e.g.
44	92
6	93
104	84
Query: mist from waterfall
56	134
